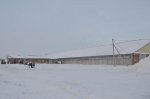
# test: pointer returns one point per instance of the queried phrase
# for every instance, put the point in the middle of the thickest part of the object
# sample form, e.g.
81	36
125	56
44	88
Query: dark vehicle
3	62
31	65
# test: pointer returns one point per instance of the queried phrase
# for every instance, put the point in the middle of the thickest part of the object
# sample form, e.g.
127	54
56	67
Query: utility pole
114	48
113	45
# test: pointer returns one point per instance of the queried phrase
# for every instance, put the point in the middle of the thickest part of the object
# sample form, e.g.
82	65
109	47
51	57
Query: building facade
13	60
124	59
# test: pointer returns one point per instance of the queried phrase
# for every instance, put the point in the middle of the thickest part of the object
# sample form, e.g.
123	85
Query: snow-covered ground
75	81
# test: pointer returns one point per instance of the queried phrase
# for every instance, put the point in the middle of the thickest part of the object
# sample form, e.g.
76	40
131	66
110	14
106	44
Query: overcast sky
51	26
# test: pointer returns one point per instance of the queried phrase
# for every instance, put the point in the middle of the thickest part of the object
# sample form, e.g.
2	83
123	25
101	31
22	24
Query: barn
125	53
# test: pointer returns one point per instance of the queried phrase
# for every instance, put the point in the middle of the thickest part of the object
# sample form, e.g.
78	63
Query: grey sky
51	26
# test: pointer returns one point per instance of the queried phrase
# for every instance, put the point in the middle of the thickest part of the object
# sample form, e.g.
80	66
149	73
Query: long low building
123	59
127	53
124	53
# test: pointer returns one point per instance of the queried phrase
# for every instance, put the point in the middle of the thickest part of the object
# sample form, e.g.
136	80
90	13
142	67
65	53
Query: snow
27	56
143	66
123	47
61	81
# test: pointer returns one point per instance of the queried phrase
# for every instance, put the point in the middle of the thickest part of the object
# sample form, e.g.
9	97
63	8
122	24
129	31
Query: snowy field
75	81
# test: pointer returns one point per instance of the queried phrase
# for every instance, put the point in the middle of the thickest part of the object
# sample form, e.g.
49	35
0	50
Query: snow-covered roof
26	56
125	47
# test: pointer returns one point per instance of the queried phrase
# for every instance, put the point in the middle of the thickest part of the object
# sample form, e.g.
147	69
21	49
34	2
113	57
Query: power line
123	41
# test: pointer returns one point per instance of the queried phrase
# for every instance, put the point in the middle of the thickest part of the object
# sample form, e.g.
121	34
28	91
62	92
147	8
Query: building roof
125	47
27	56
